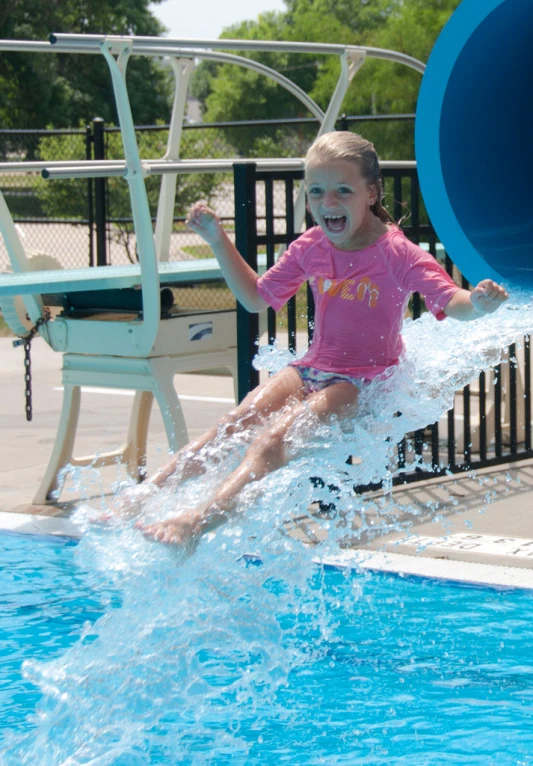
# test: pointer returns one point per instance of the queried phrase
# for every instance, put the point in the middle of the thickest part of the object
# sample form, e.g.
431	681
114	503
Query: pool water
45	601
334	667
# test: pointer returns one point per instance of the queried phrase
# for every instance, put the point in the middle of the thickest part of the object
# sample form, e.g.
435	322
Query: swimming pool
345	668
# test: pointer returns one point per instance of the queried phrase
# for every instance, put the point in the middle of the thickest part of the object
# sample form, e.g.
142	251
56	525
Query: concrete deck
477	521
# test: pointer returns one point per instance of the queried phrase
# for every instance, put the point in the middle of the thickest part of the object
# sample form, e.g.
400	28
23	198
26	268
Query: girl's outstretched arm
240	278
485	298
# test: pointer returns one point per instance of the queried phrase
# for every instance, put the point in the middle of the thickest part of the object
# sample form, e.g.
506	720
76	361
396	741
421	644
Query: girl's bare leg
266	454
279	391
271	396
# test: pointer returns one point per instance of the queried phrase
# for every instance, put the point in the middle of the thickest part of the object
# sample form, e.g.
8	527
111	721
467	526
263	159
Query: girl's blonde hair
344	145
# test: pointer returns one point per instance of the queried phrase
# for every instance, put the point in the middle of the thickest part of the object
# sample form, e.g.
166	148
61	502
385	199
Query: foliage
381	87
68	199
37	90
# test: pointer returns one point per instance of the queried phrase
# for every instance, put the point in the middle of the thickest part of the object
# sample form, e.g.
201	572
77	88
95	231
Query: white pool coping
467	572
30	524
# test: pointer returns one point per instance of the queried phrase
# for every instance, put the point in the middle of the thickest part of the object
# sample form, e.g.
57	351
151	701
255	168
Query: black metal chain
26	341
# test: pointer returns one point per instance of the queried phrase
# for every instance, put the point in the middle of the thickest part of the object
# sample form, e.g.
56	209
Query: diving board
106	278
172	273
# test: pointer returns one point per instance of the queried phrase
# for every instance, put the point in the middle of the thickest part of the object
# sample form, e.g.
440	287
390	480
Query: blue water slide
474	139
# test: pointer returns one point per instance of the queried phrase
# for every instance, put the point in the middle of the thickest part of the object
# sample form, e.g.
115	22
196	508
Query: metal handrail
108	168
148	46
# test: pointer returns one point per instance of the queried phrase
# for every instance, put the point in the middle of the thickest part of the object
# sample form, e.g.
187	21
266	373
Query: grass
5	332
198	251
181	227
204	251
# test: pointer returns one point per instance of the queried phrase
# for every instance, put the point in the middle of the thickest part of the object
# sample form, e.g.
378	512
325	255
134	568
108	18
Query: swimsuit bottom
315	380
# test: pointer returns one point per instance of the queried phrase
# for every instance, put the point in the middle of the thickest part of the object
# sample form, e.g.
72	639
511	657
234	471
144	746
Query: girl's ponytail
380	211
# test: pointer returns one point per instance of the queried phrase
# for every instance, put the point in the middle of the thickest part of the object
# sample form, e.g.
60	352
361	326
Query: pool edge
466	572
32	524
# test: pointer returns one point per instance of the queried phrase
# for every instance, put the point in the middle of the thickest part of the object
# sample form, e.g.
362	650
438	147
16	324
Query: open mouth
335	223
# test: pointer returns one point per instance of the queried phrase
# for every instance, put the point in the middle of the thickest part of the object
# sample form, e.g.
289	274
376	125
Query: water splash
197	662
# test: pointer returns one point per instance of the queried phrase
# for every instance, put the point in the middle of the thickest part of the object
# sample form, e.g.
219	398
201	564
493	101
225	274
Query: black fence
502	431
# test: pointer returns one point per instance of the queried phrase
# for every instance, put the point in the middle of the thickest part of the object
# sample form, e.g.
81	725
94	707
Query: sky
205	19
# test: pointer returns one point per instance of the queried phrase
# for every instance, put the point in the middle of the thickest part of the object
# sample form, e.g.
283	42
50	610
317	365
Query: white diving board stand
102	352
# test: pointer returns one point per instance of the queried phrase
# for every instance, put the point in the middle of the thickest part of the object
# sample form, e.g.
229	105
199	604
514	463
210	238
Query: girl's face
339	200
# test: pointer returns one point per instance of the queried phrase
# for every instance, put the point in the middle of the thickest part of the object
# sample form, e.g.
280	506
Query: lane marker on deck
490	545
130	392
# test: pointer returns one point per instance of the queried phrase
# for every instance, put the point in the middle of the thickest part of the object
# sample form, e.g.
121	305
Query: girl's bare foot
179	530
128	503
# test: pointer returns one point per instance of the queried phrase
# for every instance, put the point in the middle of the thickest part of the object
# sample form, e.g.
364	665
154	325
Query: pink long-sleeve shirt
360	297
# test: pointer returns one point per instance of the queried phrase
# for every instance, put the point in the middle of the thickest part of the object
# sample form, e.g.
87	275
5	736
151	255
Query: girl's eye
344	190
314	192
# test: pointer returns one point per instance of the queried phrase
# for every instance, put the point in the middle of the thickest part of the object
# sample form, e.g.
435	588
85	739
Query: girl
362	270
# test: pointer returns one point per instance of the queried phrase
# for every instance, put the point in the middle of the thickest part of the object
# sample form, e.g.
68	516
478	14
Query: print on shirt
350	290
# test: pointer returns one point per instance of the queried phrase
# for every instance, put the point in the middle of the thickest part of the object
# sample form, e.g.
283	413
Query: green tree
250	95
37	90
380	87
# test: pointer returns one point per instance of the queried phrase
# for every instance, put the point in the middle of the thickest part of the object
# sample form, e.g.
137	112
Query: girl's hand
487	297
204	222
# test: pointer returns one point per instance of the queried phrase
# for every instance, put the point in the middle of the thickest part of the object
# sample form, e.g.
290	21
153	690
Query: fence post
90	200
342	122
246	243
100	194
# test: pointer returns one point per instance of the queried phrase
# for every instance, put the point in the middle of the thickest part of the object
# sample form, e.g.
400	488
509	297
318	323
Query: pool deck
481	528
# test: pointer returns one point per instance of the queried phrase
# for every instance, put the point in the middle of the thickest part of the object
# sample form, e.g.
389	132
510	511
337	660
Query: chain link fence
45	225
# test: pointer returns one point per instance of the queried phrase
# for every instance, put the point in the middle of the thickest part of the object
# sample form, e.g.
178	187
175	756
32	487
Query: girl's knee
339	400
269	448
239	419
